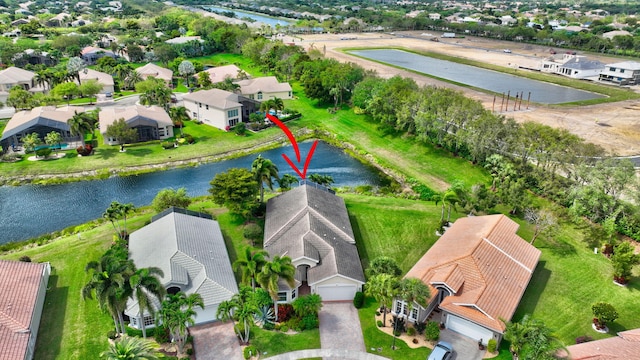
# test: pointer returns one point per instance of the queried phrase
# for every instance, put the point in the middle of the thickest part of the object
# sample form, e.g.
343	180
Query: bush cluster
44	152
358	300
167	145
491	345
161	334
285	312
432	332
249	351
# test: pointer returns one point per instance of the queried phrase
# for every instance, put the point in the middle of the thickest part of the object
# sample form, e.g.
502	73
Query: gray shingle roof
191	252
583	64
307	222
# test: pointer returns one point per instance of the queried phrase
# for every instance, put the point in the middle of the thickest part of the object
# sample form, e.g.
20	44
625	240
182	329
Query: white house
189	249
214	107
23	286
622	73
265	88
310	224
103	79
13	76
574	66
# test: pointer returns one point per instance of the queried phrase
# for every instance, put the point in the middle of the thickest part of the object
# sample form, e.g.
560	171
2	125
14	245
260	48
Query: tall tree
131	348
109	282
383	288
413	290
145	285
74	66
114	213
170	197
383	265
154	91
66	90
20	98
53	138
178	313
79	125
120	131
286	181
280	267
186	69
90	88
264	171
236	189
250	264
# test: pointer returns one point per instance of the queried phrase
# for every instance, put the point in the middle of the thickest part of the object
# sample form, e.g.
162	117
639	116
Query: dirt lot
616	127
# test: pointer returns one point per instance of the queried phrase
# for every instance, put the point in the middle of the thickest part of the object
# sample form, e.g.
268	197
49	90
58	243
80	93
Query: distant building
622	73
574	66
184	40
91	54
103	79
155	71
265	88
219	108
41	120
220	73
14	76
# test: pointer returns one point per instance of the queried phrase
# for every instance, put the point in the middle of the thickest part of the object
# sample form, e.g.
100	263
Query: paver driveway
340	327
464	348
216	341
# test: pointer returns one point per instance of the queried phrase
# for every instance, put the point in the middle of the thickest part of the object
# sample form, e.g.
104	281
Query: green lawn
376	339
434	167
209	142
271	343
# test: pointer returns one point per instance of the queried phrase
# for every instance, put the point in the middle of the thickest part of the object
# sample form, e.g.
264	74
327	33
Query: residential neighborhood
251	179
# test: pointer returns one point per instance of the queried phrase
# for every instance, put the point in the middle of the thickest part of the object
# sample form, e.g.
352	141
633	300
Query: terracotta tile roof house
189	248
104	79
152	122
23	286
219	73
265	88
311	225
477	272
625	346
153	70
42	120
219	108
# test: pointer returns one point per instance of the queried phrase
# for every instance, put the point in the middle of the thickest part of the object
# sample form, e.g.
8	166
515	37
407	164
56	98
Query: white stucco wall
212	116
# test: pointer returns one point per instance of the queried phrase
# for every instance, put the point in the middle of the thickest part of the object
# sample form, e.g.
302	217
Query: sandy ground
614	126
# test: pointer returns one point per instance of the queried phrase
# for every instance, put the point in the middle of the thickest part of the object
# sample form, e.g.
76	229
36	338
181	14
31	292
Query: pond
255	16
32	210
541	92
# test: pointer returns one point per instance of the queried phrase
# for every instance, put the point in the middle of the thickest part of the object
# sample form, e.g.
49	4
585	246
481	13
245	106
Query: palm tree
286	181
324	180
110	283
267	105
250	264
278	104
264	170
131	79
279	267
79	125
179	115
242	308
383	288
53	138
178	314
131	348
413	290
145	284
449	197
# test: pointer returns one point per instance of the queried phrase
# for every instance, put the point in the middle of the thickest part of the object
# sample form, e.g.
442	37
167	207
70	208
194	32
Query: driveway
464	348
340	327
215	341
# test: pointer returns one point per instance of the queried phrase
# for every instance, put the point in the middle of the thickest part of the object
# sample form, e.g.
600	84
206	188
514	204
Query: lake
32	210
541	92
255	16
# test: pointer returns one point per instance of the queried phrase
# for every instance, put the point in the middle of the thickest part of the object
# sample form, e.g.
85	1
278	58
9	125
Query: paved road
327	354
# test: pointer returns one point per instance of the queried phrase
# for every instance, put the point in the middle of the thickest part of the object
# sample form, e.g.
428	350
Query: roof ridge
508	255
330	224
11	323
288	225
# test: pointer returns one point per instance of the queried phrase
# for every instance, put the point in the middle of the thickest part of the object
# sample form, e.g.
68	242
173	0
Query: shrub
25	258
277	327
252	232
310	321
138	333
189	138
190	351
240	129
112	335
491	345
268	326
420	326
284	328
161	334
44	152
250	351
379	323
604	313
432	332
295	324
84	150
169	197
398	324
411	331
285	312
167	145
358	300
583	339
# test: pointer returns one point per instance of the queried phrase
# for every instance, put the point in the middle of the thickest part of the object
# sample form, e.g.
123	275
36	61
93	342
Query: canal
32	210
541	92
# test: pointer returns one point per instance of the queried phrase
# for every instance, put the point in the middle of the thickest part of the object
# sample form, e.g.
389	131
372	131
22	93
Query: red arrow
294	143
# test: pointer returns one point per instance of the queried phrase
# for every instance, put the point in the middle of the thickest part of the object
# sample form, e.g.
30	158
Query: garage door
336	292
469	329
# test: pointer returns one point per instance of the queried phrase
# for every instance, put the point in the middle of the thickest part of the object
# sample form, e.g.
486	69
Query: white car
507	51
442	351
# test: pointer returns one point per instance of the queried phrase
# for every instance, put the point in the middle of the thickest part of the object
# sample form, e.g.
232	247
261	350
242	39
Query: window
282	296
148	321
612	69
207	107
161	131
251	97
402	309
289	93
293	293
193	114
260	95
232	113
199	104
622	71
233	122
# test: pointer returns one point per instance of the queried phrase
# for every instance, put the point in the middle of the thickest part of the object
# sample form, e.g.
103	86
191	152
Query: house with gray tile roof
190	250
219	108
311	225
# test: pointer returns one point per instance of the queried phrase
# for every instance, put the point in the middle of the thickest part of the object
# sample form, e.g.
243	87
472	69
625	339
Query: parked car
508	51
108	95
442	351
